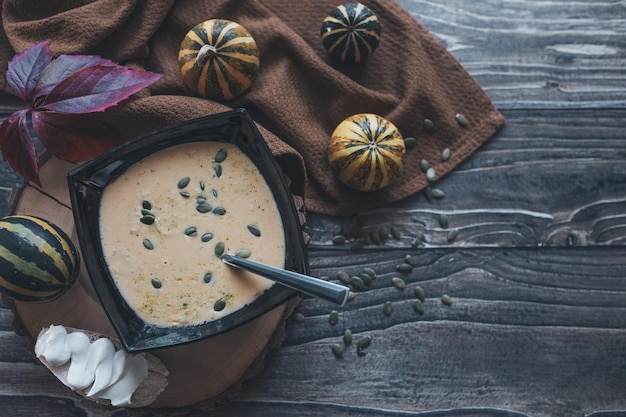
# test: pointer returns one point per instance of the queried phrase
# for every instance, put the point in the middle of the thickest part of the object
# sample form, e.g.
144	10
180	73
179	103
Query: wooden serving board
200	373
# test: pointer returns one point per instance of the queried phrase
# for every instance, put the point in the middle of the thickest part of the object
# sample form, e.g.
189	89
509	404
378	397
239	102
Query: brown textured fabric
301	93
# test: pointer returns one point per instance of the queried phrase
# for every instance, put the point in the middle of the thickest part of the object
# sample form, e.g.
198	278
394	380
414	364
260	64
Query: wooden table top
536	273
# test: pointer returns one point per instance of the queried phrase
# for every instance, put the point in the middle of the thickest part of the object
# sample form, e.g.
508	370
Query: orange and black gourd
218	59
366	152
351	32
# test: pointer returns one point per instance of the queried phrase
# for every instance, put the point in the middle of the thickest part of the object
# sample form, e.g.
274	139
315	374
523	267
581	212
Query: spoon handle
328	291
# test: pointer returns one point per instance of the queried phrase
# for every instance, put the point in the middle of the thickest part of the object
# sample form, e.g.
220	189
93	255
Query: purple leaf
62	67
96	88
73	137
26	68
18	147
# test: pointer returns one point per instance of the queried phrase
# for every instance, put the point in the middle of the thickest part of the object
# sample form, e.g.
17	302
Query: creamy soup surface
159	235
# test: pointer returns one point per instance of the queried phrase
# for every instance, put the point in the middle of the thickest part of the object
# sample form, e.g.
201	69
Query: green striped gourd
351	32
38	261
366	152
218	59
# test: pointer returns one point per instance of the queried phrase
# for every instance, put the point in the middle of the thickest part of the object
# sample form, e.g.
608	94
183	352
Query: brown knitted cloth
301	93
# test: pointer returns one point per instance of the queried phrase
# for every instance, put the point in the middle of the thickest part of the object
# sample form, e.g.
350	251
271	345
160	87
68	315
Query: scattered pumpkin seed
429	126
337	350
148	244
384	233
443	220
370	272
420	294
325	278
201	199
347	337
428	193
418	306
146	205
446	300
445	154
416	242
452	234
206	237
364	342
185	194
431	175
461	119
357	283
424	165
220	211
147	219
156	283
219	305
351	296
375	237
366	278
207	277
395	233
183	182
204	208
218	170
387	308
357	244
404	267
410	142
339	239
437	193
214	192
298	317
398	283
254	229
202	185
146	212
343	277
333	317
220	156
409	259
243	253
219	248
191	231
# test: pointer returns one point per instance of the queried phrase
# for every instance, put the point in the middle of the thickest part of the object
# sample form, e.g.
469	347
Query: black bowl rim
94	175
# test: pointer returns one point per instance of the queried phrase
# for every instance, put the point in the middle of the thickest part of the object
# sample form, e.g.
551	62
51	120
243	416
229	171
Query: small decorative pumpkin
38	261
218	59
366	152
351	32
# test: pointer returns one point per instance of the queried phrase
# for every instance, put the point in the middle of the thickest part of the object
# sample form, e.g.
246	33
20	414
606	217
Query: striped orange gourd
366	152
218	59
38	261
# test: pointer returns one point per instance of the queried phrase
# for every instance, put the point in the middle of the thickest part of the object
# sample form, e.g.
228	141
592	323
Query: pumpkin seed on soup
156	283
147	219
218	170
183	182
207	277
220	211
219	305
191	231
243	253
146	205
204	208
206	237
219	248
254	229
148	244
220	156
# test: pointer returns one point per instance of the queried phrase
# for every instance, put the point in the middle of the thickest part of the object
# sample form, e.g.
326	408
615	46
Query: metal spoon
328	291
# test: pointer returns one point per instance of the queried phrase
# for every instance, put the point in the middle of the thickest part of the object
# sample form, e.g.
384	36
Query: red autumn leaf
73	138
26	68
96	88
18	147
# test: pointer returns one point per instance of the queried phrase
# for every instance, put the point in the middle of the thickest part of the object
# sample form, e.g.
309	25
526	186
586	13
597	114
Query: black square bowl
88	181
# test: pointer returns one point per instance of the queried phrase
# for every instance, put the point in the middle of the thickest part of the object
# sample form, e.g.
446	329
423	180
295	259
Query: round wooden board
200	373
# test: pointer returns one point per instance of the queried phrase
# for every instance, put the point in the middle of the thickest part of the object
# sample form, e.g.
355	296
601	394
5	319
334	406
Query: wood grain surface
536	273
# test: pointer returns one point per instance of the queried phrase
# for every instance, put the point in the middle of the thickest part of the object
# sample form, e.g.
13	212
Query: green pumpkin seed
452	234
428	193
384	233
204	208
207	277
418	306
357	244
364	342
202	185
156	283
219	305
183	182
410	142
443	220
298	317
146	205
431	175
375	237
337	350
333	317
148	244
446	300
367	280
445	155
220	211
185	194
395	233
201	200
214	192
461	120
220	156
243	253
254	229
206	237
420	294
409	260
343	277
416	242
387	308
398	283
146	212
357	283
219	248
218	170
191	231
404	267
347	337
339	240
424	165
370	272
437	193
147	219
325	278
351	296
429	126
